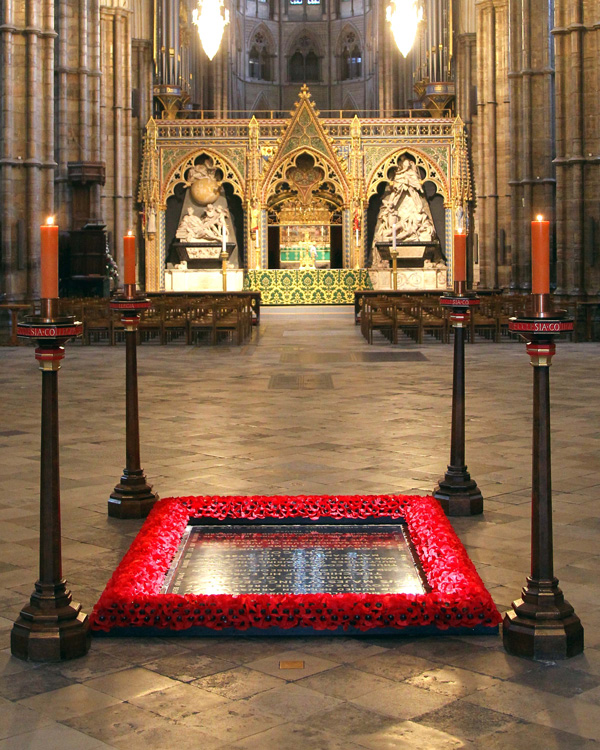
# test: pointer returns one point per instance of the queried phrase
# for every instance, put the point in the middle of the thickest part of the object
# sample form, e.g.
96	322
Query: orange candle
540	256
460	257
129	258
49	260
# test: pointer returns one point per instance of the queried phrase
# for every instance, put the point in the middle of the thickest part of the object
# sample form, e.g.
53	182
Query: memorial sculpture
405	210
206	228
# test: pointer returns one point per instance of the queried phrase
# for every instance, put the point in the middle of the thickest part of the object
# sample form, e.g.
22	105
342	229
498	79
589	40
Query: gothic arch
433	173
261	104
333	174
298	36
178	174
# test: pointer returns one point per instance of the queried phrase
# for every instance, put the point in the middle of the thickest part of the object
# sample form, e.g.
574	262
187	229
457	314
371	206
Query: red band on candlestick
460	257
49	260
540	257
129	259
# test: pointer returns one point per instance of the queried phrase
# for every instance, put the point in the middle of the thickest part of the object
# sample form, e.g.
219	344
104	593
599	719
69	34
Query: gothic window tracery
259	58
350	57
304	63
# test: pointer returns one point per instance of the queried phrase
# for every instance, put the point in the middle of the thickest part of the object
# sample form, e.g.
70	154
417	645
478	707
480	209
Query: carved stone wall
577	40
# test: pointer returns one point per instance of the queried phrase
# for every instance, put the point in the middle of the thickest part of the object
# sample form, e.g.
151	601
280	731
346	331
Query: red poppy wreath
457	597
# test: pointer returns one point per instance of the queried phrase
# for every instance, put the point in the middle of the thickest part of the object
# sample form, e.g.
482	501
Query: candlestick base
132	497
51	627
542	625
458	494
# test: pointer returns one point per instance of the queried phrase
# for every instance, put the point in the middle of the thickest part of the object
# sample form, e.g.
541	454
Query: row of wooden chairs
182	319
416	316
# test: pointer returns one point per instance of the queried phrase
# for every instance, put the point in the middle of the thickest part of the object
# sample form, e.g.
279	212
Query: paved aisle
308	406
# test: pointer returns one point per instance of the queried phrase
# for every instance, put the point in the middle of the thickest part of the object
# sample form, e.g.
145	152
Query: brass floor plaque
284	559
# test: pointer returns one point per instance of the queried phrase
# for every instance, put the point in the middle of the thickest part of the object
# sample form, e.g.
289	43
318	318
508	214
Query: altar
307	287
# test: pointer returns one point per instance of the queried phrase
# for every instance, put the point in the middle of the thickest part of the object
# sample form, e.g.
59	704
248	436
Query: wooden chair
200	318
176	319
97	322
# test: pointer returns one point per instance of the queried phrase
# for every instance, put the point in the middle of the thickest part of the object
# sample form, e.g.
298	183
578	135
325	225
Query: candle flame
539	217
50	221
130	233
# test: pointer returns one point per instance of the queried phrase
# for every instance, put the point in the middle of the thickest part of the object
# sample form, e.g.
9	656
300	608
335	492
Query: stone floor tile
17	719
312	665
292	737
345	682
349	720
292	702
107	724
464	720
232	721
522	736
178	702
452	681
577	717
237	683
31	682
188	666
52	737
518	701
73	700
402	701
560	681
167	735
131	683
409	735
396	665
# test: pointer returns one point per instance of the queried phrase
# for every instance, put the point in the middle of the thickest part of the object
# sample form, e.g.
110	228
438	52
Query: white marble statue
404	205
207	228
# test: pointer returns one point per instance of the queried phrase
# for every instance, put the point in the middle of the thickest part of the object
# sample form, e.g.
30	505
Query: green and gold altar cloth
309	287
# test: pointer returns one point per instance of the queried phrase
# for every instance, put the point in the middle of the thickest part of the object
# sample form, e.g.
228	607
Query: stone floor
305	407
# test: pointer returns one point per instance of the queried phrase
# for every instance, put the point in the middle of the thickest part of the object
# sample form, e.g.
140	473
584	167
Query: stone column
493	148
577	47
116	116
531	83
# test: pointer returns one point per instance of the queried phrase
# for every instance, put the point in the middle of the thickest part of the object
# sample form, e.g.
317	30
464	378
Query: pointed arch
179	172
433	172
261	109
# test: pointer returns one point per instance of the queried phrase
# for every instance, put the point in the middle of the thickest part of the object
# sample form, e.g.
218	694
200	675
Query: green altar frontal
309	287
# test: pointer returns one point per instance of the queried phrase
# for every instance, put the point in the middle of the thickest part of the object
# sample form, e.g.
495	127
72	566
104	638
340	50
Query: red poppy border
458	598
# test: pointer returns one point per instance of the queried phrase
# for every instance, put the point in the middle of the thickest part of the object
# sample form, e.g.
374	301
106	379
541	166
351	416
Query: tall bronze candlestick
541	624
51	627
457	493
132	497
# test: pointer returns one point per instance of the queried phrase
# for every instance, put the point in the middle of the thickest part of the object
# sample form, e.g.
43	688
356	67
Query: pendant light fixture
211	17
405	16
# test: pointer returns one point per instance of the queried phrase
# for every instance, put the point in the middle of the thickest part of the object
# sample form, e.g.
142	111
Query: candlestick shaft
51	627
132	418
457	440
132	497
50	541
457	493
541	624
541	526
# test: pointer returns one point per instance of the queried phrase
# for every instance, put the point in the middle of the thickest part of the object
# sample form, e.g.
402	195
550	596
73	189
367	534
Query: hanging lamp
211	17
404	17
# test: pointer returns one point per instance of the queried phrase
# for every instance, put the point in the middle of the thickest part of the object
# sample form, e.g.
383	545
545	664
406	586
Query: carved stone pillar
77	76
27	38
577	48
116	120
531	129
491	169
